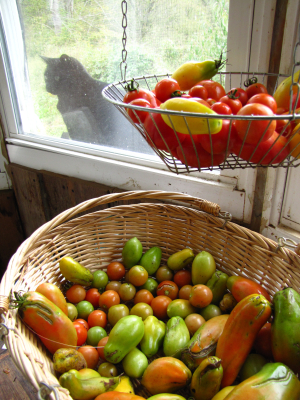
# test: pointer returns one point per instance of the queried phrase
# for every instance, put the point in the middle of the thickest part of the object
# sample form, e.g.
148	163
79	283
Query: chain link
123	63
294	82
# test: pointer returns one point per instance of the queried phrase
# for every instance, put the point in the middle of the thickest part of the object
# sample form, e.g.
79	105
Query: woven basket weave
96	238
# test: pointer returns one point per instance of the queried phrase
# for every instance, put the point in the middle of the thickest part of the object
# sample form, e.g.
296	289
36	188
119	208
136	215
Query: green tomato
180	308
72	311
94	335
84	309
150	285
210	311
135	363
116	312
142	310
100	279
252	365
107	370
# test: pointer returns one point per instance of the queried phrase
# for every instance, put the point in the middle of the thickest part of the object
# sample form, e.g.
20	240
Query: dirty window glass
73	49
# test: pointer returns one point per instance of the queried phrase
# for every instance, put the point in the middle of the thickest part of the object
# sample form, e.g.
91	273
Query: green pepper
155	331
217	284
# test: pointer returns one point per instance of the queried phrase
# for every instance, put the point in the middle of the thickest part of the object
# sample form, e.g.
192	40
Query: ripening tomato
254	89
113	285
139	93
159	306
219	142
221	108
115	271
182	278
109	298
81	333
83	322
167	288
266	99
100	347
199	91
214	89
240	94
199	158
91	356
253	130
93	296
160	133
185	291
138	116
211	102
200	296
143	296
165	87
234	104
97	318
137	275
127	291
75	294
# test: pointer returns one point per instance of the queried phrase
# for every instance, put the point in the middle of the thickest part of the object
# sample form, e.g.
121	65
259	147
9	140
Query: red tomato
109	298
234	104
91	356
200	296
143	296
257	128
138	116
115	271
161	134
167	288
140	93
93	296
284	127
83	322
81	333
159	306
220	141
165	88
100	347
211	101
200	158
182	278
274	148
202	101
214	89
221	108
199	91
254	89
266	99
97	318
240	94
75	294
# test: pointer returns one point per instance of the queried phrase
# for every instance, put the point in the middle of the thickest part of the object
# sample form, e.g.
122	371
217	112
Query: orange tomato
91	356
200	296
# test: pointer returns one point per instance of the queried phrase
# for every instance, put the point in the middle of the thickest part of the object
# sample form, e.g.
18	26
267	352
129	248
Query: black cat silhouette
88	116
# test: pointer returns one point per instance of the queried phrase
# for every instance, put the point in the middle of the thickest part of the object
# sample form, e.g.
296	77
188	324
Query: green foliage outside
161	35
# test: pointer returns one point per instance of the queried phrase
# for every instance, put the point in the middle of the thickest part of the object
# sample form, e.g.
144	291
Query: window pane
74	49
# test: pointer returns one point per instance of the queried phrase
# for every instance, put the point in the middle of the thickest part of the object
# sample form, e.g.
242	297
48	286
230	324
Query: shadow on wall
88	116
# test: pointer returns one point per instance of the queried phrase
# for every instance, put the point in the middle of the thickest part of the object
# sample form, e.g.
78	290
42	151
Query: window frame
232	189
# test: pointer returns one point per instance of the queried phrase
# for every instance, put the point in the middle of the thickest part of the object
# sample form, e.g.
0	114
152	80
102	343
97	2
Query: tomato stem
133	85
250	81
177	93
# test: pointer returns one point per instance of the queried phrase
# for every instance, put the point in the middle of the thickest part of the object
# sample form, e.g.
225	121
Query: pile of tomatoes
262	141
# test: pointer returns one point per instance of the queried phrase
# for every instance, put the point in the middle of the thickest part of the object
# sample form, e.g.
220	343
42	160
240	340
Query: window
38	135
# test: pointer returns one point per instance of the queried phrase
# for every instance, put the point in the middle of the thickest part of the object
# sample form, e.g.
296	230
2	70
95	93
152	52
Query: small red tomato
254	89
167	288
82	322
198	91
200	296
234	104
162	136
93	296
182	278
211	101
214	89
115	271
201	101
240	94
97	318
165	88
81	333
219	142
138	116
266	99
139	93
221	108
199	158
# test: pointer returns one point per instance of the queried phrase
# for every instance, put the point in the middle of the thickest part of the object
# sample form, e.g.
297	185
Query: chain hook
282	242
123	63
45	390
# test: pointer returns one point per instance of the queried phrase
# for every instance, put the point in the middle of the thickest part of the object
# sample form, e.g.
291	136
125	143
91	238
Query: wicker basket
97	238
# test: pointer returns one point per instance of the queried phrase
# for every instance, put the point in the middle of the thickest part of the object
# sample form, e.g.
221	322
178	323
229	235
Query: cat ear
64	57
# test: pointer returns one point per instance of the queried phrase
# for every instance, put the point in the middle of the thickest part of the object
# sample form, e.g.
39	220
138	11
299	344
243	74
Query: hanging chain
123	63
295	83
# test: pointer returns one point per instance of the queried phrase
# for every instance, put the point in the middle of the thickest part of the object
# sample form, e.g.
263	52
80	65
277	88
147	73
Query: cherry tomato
200	296
199	91
254	89
202	101
84	309
139	93
200	158
94	335
255	129
167	288
137	275
115	271
109	298
211	102
91	356
142	310
127	291
160	133
159	306
93	296
138	116
75	294
100	279
83	322
116	312
185	291
165	88
113	285
193	322
266	99
164	273
143	296
100	347
108	370
97	318
234	104
214	89
240	94
284	127
182	278
219	142
81	333
221	108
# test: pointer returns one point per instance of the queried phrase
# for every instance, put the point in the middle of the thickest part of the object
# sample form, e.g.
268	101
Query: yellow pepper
197	125
282	93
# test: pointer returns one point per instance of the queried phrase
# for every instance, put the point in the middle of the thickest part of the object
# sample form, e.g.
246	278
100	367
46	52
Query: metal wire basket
115	92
